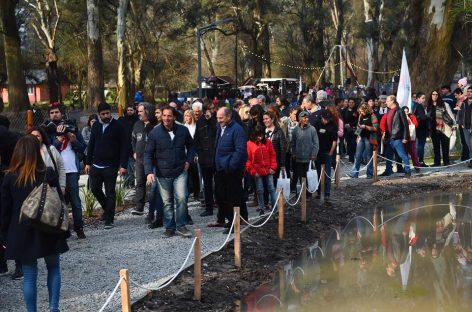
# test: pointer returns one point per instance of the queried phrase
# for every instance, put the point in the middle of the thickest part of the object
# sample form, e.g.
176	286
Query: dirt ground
262	252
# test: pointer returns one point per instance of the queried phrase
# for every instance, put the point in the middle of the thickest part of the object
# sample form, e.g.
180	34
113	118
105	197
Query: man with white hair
197	108
261	100
322	98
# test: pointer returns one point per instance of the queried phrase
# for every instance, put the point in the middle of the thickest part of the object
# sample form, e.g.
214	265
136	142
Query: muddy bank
223	286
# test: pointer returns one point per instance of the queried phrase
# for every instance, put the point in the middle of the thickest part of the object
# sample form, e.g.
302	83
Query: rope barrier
227	237
299	196
270	215
431	167
319	181
361	169
334	173
111	295
173	277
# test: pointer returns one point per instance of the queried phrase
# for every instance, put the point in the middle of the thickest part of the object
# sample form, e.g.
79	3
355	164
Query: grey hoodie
304	143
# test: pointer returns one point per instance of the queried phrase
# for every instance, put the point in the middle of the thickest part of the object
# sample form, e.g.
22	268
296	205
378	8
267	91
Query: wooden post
322	182
197	267
237	238
120	110
375	160
281	213
29	119
337	176
303	199
125	296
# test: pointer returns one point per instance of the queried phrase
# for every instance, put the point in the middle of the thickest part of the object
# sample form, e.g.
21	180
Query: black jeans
207	175
440	143
299	172
228	193
193	180
351	145
465	148
107	177
140	195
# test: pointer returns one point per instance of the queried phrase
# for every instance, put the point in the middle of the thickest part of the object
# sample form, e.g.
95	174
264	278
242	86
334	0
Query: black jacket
110	147
204	140
23	242
280	146
423	129
399	126
127	122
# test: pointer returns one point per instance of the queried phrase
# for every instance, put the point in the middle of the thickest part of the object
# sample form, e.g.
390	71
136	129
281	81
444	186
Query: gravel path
90	269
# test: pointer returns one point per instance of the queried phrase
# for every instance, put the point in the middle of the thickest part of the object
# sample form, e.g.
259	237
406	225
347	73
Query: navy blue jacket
231	148
109	148
169	155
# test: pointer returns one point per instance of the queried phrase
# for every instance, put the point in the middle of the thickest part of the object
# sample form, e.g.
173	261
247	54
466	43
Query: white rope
173	277
270	215
227	237
429	167
268	295
334	173
319	181
111	295
357	217
299	196
362	169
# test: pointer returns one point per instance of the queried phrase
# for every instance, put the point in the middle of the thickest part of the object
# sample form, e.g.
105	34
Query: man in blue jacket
170	148
230	160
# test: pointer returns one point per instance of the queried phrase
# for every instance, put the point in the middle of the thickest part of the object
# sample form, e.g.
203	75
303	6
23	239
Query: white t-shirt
68	156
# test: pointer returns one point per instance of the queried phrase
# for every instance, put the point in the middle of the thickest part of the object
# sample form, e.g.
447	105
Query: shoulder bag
45	210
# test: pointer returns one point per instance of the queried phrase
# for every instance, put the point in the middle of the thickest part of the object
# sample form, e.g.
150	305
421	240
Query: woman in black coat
27	170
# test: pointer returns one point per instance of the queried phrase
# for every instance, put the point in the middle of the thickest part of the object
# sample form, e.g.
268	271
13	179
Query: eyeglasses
435	94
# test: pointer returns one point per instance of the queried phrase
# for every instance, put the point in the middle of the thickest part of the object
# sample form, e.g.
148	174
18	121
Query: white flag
300	86
404	86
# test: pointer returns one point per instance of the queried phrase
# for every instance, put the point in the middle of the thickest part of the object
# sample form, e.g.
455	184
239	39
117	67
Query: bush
89	200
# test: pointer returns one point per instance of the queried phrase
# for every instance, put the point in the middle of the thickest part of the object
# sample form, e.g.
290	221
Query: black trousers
228	193
440	144
105	177
193	180
140	195
465	148
207	175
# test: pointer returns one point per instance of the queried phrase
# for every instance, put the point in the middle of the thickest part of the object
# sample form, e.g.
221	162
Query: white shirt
191	128
68	156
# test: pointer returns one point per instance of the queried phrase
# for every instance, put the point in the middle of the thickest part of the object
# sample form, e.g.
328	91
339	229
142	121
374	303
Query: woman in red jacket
261	164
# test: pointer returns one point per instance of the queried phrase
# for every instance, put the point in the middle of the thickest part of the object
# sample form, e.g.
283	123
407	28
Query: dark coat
204	139
23	242
109	147
423	129
399	130
127	122
169	155
280	146
230	149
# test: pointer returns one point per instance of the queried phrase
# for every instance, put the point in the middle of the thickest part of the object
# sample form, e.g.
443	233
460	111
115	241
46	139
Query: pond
413	255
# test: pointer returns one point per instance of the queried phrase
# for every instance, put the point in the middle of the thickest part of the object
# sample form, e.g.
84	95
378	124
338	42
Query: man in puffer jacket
304	146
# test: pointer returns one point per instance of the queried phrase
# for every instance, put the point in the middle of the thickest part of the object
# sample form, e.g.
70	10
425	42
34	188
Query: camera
51	127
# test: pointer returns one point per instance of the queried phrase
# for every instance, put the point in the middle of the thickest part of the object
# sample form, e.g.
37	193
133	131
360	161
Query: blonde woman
193	176
190	122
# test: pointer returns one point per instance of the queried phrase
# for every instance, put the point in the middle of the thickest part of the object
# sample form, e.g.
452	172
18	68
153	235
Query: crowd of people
221	156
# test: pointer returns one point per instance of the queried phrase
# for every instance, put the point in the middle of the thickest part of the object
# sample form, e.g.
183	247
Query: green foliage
121	193
89	201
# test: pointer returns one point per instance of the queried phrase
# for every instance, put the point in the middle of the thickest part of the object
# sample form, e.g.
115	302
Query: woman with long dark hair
25	243
442	125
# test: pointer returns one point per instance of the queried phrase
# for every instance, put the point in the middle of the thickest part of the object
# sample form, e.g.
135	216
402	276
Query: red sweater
260	158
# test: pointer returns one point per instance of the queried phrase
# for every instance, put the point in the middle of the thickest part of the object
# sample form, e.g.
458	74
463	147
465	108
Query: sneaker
227	225
206	213
385	174
169	233
156	224
3	268
149	218
183	231
137	211
189	220
352	175
108	226
18	274
80	234
226	231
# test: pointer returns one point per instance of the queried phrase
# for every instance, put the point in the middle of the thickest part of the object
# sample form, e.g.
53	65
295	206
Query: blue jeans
129	176
363	147
268	181
72	187
156	205
420	143
396	145
174	193
30	271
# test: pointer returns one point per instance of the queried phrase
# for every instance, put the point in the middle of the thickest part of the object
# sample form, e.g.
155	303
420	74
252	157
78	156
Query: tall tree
95	56
45	19
120	37
17	93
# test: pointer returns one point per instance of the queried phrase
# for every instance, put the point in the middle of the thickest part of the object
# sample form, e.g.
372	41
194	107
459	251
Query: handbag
447	118
45	210
411	129
312	179
284	183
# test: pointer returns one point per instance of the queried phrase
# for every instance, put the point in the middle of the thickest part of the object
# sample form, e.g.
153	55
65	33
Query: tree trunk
54	84
17	94
95	83
120	37
437	25
208	58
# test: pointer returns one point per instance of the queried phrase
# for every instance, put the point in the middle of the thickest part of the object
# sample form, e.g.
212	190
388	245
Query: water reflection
410	256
